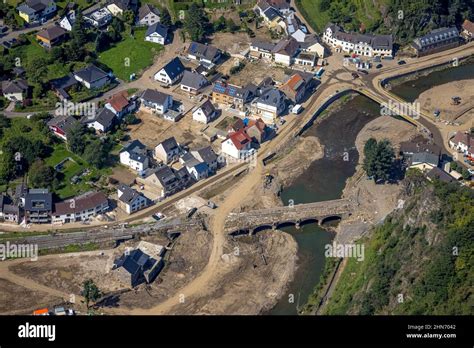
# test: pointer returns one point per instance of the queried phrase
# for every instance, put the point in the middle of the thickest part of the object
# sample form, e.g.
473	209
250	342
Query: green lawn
135	51
310	11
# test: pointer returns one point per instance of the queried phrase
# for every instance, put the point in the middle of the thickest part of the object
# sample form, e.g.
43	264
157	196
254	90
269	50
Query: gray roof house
208	156
148	15
436	40
92	77
203	53
38	206
131	200
157	33
15	90
192	82
167	150
171	72
103	121
139	267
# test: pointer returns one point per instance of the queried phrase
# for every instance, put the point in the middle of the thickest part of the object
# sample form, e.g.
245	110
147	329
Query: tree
76	138
95	153
131	119
378	161
37	69
78	34
129	17
196	23
165	18
90	291
220	24
41	175
102	42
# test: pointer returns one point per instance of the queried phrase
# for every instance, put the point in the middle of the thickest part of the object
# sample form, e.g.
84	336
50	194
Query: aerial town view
236	157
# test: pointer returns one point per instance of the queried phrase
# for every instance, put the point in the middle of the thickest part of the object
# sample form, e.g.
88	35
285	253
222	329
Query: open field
131	55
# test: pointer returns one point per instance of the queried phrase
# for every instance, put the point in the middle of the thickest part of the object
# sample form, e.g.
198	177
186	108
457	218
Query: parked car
3	28
378	66
401	62
365	72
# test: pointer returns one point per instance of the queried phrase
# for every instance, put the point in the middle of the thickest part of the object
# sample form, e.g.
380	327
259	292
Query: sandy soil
255	72
15	299
439	97
258	269
375	201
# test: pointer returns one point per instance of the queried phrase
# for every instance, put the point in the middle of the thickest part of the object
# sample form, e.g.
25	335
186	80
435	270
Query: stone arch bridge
297	215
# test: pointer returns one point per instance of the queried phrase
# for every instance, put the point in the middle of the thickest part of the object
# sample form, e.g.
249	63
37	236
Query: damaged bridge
297	215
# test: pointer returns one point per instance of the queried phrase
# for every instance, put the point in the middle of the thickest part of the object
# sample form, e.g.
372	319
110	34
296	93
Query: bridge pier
251	231
297	224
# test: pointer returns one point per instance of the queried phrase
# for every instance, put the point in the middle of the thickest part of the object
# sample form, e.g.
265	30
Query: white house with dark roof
285	50
134	155
261	49
269	105
80	208
171	72
68	20
208	156
206	54
15	90
92	77
156	101
157	33
167	150
360	44
148	15
436	40
131	200
193	82
103	121
205	112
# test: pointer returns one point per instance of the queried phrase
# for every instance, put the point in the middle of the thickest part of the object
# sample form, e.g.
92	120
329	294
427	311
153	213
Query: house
439	174
206	54
237	144
270	14
306	59
468	30
61	125
208	156
196	169
98	18
130	200
15	90
311	43
297	86
139	265
103	121
80	208
164	181
257	130
51	36
9	212
156	101
192	82
285	50
68	21
360	44
463	142
204	113
92	77
38	206
269	105
157	33
148	15
118	7
171	72
167	150
120	104
261	49
62	85
224	93
435	41
424	161
408	148
134	155
33	11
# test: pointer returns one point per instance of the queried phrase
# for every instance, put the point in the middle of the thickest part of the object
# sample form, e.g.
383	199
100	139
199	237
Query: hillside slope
419	261
405	19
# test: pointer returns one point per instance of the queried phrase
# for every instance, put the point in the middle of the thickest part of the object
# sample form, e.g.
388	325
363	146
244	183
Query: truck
297	109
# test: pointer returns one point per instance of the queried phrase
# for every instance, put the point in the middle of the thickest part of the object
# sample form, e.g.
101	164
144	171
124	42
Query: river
409	90
324	180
